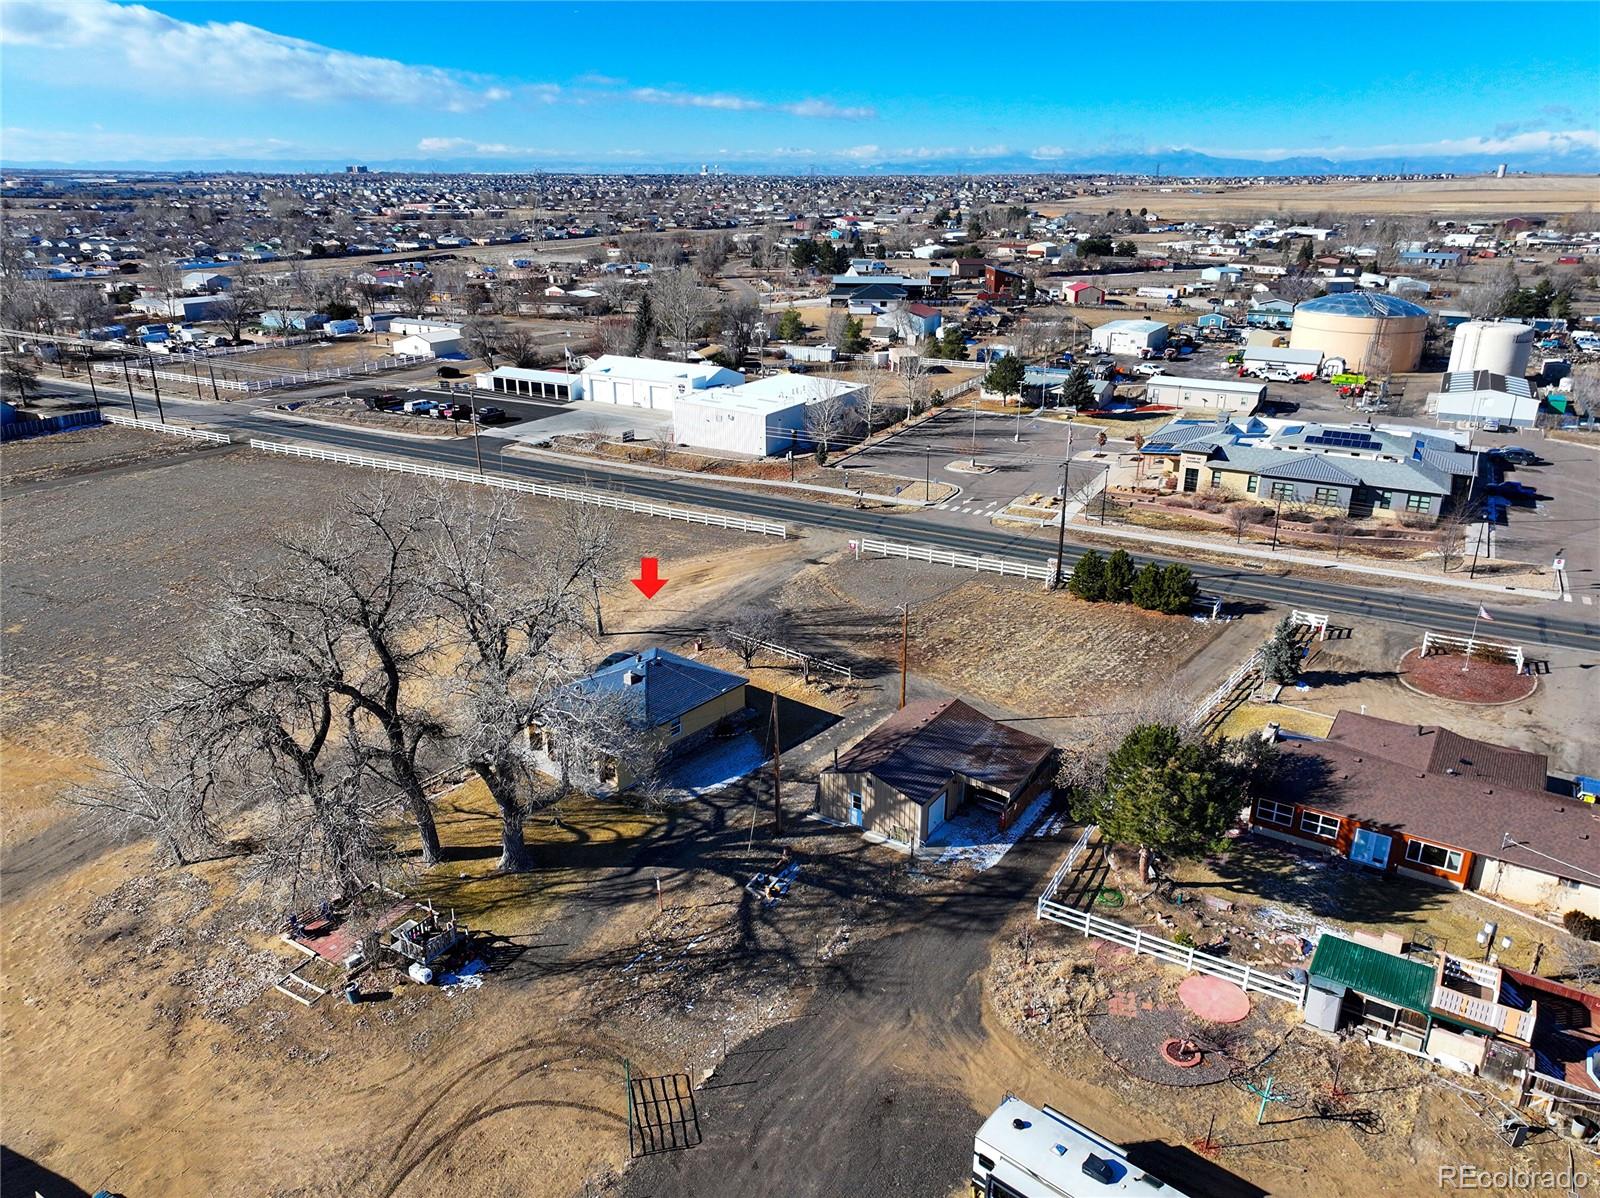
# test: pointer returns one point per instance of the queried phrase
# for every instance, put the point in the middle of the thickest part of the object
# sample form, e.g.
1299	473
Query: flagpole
1471	639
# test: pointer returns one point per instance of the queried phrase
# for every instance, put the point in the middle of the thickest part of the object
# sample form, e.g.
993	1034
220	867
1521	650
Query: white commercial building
521	383
1281	357
1236	397
1479	398
650	382
435	343
1129	336
402	326
759	419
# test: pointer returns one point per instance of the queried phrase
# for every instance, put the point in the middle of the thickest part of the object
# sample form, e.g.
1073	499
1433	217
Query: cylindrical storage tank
1373	332
1493	346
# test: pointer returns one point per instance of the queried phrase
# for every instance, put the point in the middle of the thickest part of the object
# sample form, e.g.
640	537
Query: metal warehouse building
1235	397
761	418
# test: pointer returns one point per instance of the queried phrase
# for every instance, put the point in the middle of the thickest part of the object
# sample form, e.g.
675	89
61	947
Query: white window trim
1277	809
1453	857
1311	821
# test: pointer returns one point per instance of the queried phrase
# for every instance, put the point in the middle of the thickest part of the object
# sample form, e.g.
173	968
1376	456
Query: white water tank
1493	346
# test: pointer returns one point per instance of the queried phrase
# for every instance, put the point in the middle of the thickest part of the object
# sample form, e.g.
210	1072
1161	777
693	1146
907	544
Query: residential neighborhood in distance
776	621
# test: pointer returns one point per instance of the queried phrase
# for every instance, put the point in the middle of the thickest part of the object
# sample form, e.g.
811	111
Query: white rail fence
139	373
1315	620
1438	642
1185	956
172	430
1068	864
807	662
1203	709
766	528
1043	572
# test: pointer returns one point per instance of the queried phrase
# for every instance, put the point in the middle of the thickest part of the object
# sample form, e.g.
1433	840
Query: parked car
1515	492
1148	369
418	407
488	414
1514	455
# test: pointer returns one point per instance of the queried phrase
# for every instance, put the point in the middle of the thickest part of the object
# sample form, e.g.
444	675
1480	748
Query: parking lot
1560	521
1014	457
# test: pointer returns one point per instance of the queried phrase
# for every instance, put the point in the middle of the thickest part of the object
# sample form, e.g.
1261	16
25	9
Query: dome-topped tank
1492	345
1375	332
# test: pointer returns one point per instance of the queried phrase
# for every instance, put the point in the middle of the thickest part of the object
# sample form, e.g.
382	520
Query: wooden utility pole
1061	532
905	640
777	770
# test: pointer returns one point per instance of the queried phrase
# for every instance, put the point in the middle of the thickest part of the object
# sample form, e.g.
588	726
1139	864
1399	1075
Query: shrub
1582	925
1146	591
1119	576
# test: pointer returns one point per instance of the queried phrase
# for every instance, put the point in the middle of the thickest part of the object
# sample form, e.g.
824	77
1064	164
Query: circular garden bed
1487	680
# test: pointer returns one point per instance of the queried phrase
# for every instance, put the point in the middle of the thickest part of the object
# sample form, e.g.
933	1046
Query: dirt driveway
867	1091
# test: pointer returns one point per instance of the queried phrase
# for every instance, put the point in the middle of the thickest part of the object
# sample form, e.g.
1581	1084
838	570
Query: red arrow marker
649	580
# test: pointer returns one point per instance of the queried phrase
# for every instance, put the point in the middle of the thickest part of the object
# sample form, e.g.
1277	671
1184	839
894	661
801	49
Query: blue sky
89	81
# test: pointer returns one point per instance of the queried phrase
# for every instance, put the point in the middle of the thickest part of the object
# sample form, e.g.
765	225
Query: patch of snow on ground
719	764
974	837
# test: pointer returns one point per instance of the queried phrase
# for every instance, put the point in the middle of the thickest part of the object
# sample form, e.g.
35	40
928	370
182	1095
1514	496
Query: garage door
935	814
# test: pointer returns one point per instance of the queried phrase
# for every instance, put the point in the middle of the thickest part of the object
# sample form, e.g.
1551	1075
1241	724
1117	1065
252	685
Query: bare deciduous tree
743	630
681	304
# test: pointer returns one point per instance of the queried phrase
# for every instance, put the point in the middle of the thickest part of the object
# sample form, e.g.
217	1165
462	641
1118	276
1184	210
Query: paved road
1535	623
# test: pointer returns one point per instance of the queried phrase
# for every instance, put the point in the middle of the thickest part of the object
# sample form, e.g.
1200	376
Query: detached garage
928	762
435	343
1129	336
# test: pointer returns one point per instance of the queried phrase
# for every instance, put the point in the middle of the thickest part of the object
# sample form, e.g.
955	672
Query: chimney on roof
632	678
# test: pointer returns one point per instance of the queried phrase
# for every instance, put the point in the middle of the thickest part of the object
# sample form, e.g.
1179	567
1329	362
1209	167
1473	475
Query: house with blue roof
674	701
1362	471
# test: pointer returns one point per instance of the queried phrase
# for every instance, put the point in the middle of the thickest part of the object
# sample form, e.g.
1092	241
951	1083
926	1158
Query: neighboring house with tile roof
1429	803
927	762
1360	470
675	701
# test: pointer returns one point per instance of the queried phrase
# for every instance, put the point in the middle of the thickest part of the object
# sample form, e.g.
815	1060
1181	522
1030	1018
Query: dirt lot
1445	197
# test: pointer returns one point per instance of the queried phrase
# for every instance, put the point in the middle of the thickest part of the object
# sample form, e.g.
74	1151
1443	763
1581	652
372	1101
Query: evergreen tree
953	344
1078	391
1088	579
1126	249
1178	589
1005	376
1146	590
1119	577
803	255
644	328
790	326
1166	794
854	340
1280	656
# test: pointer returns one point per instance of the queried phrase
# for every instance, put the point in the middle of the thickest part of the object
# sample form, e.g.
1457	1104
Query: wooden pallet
302	990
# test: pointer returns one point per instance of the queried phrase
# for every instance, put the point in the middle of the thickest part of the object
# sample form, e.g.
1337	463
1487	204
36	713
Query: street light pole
155	385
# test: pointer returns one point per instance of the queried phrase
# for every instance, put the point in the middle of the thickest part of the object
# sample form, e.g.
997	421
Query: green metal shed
1373	973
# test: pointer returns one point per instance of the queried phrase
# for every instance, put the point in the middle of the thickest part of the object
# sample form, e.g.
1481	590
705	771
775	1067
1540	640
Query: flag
1483	614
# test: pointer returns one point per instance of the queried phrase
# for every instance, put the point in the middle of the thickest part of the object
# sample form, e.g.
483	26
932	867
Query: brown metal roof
919	748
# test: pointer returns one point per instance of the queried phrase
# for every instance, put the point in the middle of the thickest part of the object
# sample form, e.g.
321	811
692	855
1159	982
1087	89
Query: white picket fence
765	528
1438	642
1043	572
141	372
1185	956
172	430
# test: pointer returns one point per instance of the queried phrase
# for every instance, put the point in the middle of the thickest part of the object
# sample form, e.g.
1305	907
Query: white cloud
465	145
1049	152
1537	141
98	145
231	58
810	109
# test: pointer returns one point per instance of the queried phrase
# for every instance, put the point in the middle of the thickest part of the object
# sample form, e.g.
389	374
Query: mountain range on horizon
1174	163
